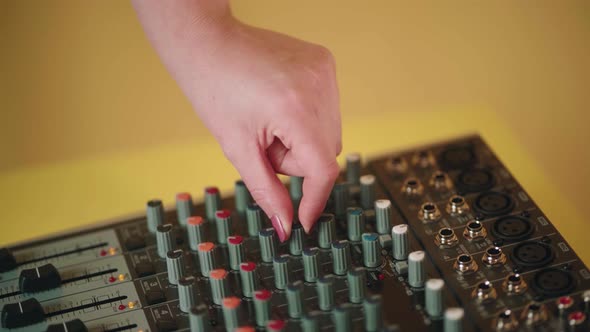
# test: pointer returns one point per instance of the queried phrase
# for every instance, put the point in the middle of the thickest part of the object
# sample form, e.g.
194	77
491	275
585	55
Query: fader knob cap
248	278
372	308
175	265
399	239
199	319
416	274
186	293
340	257
7	260
367	191
295	299
254	219
27	312
212	202
281	271
434	297
383	216
164	239
356	285
311	264
154	214
355	223
325	289
371	250
326	230
235	245
296	240
268	244
243	197
75	325
195	227
223	225
39	279
453	321
184	208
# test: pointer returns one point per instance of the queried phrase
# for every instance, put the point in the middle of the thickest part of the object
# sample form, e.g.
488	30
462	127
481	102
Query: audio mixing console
440	238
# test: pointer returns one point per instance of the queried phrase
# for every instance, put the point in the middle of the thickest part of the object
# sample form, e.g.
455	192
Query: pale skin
270	100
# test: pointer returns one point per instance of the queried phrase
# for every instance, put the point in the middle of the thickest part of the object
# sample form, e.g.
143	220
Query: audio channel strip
440	238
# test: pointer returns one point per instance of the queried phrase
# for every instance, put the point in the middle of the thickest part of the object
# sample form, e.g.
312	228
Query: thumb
265	187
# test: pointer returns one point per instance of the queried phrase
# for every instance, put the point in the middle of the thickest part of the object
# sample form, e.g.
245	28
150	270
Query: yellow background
91	125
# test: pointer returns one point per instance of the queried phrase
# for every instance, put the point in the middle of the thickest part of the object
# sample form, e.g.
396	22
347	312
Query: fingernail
278	226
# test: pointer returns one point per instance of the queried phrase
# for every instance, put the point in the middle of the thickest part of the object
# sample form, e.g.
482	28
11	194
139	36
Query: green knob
184	208
296	188
372	308
212	202
231	310
235	246
186	293
356	285
434	297
268	244
340	257
262	299
164	239
325	288
199	318
326	230
355	223
296	240
399	239
383	216
341	317
223	224
311	321
243	197
254	219
154	214
248	278
311	265
353	168
371	250
219	285
340	196
367	191
295	299
281	271
416	274
453	321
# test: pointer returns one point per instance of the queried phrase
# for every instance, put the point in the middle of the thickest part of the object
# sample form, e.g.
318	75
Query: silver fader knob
164	239
268	244
235	245
206	257
154	215
399	239
453	321
254	219
223	224
212	202
383	216
353	168
367	191
195	227
186	293
355	223
326	230
248	278
243	197
416	274
199	318
184	208
219	285
175	265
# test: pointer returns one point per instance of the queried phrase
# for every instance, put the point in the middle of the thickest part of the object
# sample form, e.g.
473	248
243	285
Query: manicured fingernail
278	226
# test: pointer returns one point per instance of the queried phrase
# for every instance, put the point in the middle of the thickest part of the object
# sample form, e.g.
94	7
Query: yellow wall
78	80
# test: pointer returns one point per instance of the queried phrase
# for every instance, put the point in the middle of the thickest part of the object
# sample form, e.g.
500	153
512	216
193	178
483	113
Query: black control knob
21	314
75	325
39	279
7	260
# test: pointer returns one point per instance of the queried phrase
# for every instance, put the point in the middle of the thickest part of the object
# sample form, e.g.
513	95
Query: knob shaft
254	219
262	299
327	229
219	285
325	289
296	240
242	197
195	227
311	265
295	299
383	216
154	214
248	278
223	223
434	297
199	319
186	293
212	202
341	317
175	265
340	196
268	244
281	271
231	310
453	321
367	191
372	308
371	250
356	285
416	274
399	237
355	223
184	208
340	257
206	257
236	251
164	239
